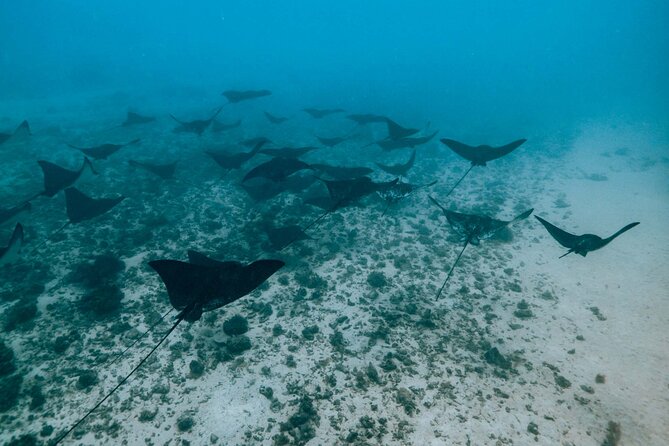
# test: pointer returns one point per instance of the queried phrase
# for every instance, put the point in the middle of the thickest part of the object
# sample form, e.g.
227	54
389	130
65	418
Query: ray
235	96
401	143
480	155
367	118
581	244
164	171
276	169
331	142
133	119
289	152
229	161
275	119
217	127
342	172
103	151
203	284
11	214
57	178
9	253
319	113
21	132
396	131
473	228
399	170
197	126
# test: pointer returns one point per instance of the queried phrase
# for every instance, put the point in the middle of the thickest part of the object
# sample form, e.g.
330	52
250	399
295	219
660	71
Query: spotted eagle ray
345	192
217	127
367	118
23	130
289	152
331	142
14	212
136	119
102	151
279	237
57	178
275	119
479	155
473	228
276	169
399	170
581	244
80	207
199	285
318	113
164	171
230	161
393	144
234	96
342	172
396	131
9	253
197	126
400	191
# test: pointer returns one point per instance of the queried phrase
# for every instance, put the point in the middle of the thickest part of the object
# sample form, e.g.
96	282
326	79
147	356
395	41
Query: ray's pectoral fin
564	238
625	229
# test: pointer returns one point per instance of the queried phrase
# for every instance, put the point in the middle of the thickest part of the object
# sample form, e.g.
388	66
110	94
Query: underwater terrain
414	300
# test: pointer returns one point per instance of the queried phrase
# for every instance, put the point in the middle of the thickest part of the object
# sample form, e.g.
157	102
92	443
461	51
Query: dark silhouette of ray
342	172
400	143
102	151
217	127
345	192
276	169
197	126
260	189
9	253
280	237
331	142
252	142
288	152
57	178
230	161
473	228
202	285
275	119
234	96
399	170
400	191
136	119
480	155
81	207
10	214
396	131
22	131
581	244
362	119
164	171
321	113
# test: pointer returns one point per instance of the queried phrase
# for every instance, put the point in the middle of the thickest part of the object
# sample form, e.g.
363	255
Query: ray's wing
465	151
498	152
563	237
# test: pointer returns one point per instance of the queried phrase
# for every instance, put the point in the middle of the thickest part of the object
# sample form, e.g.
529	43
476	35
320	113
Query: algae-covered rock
494	357
236	325
21	312
377	279
238	345
6	359
10	388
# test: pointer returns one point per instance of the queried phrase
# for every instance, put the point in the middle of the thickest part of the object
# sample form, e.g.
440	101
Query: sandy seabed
347	343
